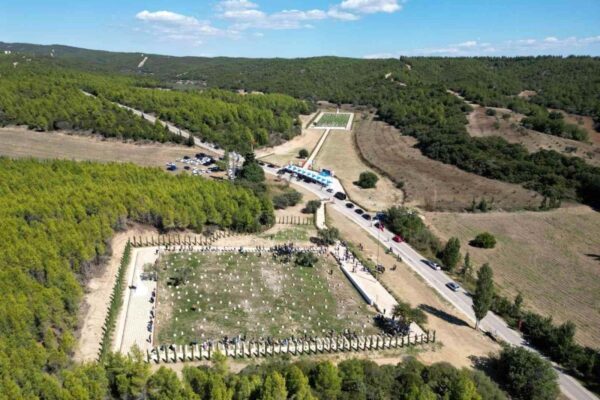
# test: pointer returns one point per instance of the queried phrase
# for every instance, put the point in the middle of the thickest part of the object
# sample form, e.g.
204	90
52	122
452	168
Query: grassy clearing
333	120
231	294
294	234
551	257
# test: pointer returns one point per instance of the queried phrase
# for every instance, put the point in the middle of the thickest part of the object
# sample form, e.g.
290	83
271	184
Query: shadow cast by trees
443	315
594	256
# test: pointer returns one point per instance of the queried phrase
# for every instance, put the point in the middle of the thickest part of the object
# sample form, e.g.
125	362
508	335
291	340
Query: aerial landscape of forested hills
59	216
409	93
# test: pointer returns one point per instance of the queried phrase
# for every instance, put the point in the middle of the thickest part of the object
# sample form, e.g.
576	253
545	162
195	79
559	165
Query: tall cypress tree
484	293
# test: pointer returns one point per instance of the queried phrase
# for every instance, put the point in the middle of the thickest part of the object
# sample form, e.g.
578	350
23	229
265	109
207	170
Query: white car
432	265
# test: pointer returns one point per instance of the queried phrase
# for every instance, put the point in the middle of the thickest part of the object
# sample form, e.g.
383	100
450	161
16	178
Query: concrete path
135	314
368	286
315	151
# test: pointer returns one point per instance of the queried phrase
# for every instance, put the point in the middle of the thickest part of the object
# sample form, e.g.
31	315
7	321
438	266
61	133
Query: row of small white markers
280	279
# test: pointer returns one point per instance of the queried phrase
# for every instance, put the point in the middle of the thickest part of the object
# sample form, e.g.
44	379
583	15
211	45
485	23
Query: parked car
200	155
340	195
187	167
172	168
453	286
359	211
186	157
349	205
367	217
398	239
270	165
432	265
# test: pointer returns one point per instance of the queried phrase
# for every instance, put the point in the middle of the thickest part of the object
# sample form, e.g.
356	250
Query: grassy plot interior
333	120
247	294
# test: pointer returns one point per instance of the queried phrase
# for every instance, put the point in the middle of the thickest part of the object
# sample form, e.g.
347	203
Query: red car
398	239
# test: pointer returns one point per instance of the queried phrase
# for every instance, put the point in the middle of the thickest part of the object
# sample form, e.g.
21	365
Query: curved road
436	279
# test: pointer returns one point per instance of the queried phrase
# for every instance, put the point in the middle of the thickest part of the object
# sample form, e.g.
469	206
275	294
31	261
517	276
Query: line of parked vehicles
397	238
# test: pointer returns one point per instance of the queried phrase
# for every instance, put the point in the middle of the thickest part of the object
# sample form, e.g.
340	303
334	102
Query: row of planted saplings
116	301
295	220
253	349
177	239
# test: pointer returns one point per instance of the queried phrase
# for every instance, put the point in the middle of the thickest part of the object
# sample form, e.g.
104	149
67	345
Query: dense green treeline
120	377
568	83
240	122
57	219
571	84
46	98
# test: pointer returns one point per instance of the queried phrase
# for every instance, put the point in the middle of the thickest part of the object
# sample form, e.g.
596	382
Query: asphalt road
438	280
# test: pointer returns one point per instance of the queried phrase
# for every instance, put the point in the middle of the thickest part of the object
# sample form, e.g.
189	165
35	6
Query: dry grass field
482	125
553	258
20	142
459	341
431	184
340	154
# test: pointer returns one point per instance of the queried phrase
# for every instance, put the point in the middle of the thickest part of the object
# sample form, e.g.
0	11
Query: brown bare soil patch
340	154
20	142
482	125
428	183
551	257
459	340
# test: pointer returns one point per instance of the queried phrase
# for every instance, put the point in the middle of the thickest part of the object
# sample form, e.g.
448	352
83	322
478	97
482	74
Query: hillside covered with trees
57	219
46	97
240	122
409	93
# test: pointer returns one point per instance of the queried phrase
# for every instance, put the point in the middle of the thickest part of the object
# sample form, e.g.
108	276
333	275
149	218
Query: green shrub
312	206
303	153
329	236
287	199
367	180
306	259
407	223
484	240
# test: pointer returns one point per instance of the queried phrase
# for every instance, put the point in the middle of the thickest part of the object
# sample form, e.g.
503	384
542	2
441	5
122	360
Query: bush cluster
367	180
407	223
289	198
484	240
